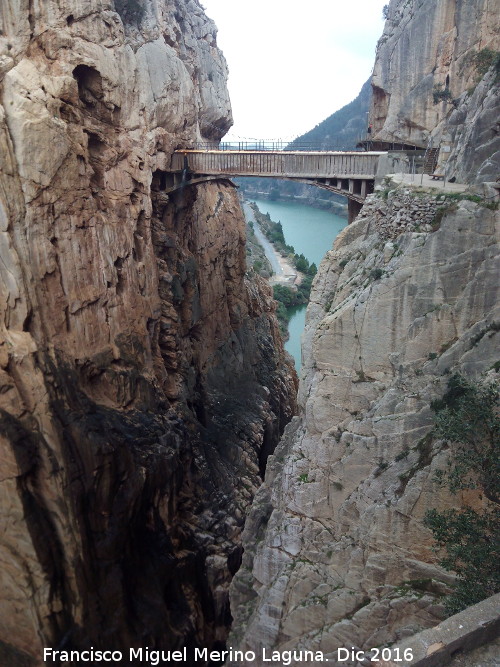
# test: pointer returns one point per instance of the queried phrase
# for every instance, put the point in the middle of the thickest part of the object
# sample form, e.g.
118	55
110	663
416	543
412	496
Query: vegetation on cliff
256	256
467	418
483	60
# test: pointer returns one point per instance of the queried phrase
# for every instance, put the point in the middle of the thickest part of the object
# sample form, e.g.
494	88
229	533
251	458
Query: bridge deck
279	164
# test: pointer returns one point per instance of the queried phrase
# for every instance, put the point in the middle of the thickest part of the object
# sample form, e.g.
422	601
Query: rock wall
442	48
476	122
336	554
142	377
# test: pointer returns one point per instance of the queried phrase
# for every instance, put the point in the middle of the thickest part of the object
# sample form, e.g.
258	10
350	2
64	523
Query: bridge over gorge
348	173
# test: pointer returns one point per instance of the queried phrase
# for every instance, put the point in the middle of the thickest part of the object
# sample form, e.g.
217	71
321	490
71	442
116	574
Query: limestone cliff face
335	550
336	553
142	378
432	47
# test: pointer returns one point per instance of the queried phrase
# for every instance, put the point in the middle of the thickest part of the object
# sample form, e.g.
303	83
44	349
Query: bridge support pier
353	208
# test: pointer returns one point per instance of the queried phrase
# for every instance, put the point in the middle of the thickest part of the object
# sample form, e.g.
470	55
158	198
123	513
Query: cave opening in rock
89	84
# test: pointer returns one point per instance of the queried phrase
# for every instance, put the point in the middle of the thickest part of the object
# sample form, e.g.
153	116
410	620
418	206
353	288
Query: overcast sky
293	63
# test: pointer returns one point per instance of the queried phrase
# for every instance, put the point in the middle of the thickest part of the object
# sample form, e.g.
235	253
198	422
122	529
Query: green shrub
301	263
312	270
441	211
463	196
467	417
283	320
485	59
403	454
440	94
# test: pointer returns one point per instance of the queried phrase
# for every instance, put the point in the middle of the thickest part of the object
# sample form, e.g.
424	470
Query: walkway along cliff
142	377
336	551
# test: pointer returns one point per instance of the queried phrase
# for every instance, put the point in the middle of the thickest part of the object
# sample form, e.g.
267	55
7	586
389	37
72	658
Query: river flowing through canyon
310	231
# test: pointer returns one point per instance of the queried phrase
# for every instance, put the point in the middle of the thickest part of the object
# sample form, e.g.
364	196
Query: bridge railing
271	146
363	143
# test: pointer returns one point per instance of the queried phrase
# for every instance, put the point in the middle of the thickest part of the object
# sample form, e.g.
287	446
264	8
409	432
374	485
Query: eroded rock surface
431	60
142	377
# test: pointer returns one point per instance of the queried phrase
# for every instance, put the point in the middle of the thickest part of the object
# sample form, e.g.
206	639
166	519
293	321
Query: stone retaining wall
451	641
404	210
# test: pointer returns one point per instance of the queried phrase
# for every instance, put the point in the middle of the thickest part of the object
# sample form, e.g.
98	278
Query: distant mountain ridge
343	129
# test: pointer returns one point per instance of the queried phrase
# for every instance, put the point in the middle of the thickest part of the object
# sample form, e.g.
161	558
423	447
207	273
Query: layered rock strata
336	553
142	377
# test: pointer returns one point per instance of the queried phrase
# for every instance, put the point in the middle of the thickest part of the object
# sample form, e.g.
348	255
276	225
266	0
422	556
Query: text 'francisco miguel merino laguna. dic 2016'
202	655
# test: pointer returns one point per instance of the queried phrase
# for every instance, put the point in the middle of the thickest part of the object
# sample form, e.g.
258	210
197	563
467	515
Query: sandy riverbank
284	271
289	275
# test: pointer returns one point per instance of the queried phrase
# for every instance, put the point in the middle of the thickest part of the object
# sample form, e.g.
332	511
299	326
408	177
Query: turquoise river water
311	231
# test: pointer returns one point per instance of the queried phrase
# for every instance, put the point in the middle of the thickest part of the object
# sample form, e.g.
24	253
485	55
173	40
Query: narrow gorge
166	483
